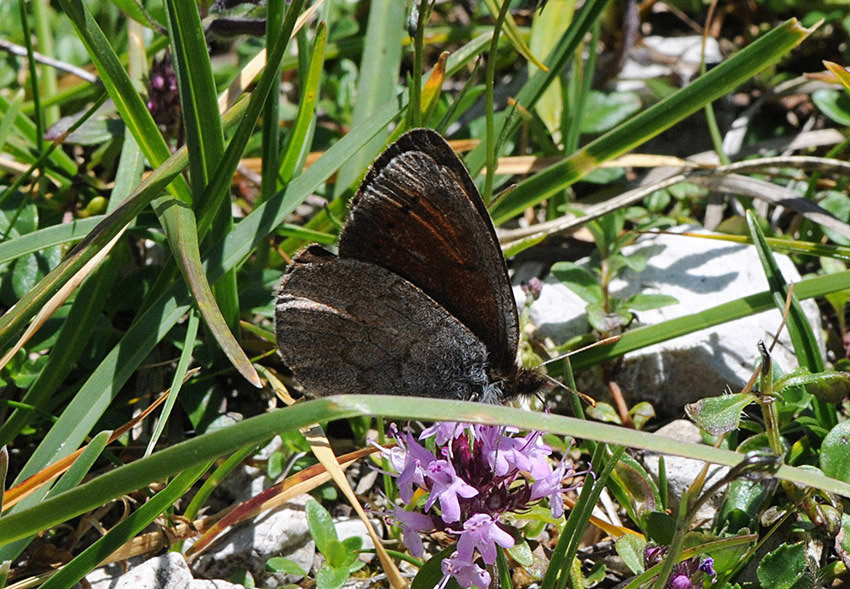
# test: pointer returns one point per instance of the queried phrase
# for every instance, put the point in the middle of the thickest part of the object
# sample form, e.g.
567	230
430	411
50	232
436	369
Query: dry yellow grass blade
253	68
60	297
322	450
28	486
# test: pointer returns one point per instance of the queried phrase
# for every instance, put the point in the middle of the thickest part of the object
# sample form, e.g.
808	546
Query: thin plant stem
489	85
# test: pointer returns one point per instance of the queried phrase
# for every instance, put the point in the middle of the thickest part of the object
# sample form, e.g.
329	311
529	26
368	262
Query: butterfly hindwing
346	326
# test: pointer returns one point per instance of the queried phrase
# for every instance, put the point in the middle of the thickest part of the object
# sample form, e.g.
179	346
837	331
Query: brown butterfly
418	300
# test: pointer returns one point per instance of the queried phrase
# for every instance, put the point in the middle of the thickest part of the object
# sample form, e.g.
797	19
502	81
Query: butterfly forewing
419	215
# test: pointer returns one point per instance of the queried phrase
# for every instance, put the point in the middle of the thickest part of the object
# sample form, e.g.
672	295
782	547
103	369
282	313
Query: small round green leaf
279	564
834	452
630	548
605	111
783	567
321	526
719	415
578	280
331	577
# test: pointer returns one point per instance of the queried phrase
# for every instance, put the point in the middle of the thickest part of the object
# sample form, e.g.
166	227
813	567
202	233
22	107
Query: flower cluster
686	574
163	98
476	474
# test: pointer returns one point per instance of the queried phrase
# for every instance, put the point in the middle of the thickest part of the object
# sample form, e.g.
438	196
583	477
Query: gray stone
701	274
168	571
682	472
347	528
663	57
282	532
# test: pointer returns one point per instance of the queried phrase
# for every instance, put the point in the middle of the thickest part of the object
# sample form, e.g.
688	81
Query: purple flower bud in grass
686	574
707	566
163	99
482	533
447	486
533	287
467	574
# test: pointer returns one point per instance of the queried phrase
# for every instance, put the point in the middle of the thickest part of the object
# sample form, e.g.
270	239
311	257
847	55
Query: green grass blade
743	307
513	34
46	46
661	116
271	110
531	92
186	355
200	450
251	109
10	116
49	236
35	91
179	223
376	85
82	465
799	329
296	145
125	531
198	104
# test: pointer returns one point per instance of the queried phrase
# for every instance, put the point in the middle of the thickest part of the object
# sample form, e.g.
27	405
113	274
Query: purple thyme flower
528	454
412	524
415	460
686	574
503	453
552	486
473	475
443	431
446	487
482	533
467	574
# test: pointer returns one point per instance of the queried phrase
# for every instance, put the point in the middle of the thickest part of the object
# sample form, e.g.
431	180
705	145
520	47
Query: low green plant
340	557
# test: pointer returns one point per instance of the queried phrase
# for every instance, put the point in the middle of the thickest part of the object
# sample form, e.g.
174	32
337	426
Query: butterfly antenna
603	342
587	398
